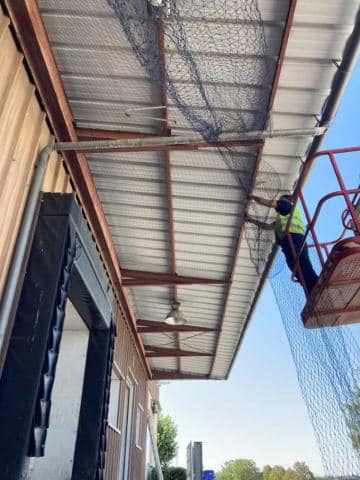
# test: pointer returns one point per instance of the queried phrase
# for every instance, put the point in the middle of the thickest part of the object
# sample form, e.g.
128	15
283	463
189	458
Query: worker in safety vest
283	207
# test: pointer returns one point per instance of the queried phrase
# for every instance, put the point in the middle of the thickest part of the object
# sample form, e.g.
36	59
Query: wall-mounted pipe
117	145
7	306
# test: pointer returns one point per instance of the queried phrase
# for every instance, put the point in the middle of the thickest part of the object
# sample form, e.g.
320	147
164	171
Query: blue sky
259	413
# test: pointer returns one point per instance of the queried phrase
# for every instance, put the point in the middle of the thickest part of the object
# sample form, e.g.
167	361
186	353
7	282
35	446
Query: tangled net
216	72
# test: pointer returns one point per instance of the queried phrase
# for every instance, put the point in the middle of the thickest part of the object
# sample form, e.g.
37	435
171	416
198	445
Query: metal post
349	204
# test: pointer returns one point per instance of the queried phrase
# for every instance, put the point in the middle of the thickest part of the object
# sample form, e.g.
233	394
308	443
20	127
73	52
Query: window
138	425
114	400
126	430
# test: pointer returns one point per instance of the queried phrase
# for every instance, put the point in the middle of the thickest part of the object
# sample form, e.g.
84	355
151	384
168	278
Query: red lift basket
335	299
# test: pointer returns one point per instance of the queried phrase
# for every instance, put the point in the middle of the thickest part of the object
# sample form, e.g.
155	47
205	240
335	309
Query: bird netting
211	59
327	362
210	67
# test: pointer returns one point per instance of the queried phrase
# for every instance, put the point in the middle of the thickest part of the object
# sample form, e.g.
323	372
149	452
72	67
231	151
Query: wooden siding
23	133
113	440
128	364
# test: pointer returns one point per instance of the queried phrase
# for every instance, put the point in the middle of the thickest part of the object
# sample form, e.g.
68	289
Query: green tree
170	473
277	473
266	472
290	474
303	472
241	469
300	471
166	439
175	473
353	421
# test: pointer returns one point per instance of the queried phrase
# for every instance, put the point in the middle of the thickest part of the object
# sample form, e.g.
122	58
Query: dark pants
308	273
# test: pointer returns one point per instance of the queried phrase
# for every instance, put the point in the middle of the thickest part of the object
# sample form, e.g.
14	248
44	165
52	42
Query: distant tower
194	461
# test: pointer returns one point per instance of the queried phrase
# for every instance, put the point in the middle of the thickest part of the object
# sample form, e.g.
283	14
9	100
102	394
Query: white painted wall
66	399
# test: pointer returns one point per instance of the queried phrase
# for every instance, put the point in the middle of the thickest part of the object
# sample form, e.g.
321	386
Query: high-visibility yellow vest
296	224
357	208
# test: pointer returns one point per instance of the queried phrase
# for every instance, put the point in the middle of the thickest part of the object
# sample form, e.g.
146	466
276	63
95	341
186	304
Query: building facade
99	244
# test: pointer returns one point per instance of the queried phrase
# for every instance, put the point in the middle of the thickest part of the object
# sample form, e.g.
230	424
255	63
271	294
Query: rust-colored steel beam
136	278
167	159
31	34
143	274
170	282
170	211
153	351
148	326
30	30
174	375
164	100
284	42
235	255
280	61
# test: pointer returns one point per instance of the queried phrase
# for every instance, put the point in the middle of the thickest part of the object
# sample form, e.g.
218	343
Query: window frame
138	426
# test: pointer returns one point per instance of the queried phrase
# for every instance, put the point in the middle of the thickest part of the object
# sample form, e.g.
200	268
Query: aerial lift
335	299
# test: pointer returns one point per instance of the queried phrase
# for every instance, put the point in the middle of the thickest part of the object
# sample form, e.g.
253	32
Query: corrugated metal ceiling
103	79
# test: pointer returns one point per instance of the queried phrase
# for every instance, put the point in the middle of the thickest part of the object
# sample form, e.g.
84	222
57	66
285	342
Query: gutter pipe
20	251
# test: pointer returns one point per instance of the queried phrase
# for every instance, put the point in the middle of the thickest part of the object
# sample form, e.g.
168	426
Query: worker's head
284	205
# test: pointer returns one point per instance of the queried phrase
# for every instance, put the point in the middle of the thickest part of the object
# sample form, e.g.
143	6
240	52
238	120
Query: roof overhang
172	215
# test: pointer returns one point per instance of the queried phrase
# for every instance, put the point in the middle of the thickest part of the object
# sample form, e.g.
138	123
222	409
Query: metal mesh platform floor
336	298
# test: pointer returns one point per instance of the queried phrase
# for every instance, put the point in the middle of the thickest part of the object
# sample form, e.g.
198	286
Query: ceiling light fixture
160	8
175	316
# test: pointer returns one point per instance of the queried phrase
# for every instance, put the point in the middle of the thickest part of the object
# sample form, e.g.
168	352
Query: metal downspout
20	251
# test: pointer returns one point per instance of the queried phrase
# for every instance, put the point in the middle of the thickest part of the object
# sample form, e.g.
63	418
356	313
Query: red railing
348	217
112	458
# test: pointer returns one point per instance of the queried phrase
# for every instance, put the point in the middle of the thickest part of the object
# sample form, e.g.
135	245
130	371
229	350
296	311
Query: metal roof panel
103	79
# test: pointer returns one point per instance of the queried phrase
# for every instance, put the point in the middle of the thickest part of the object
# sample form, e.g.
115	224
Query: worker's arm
263	201
263	225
